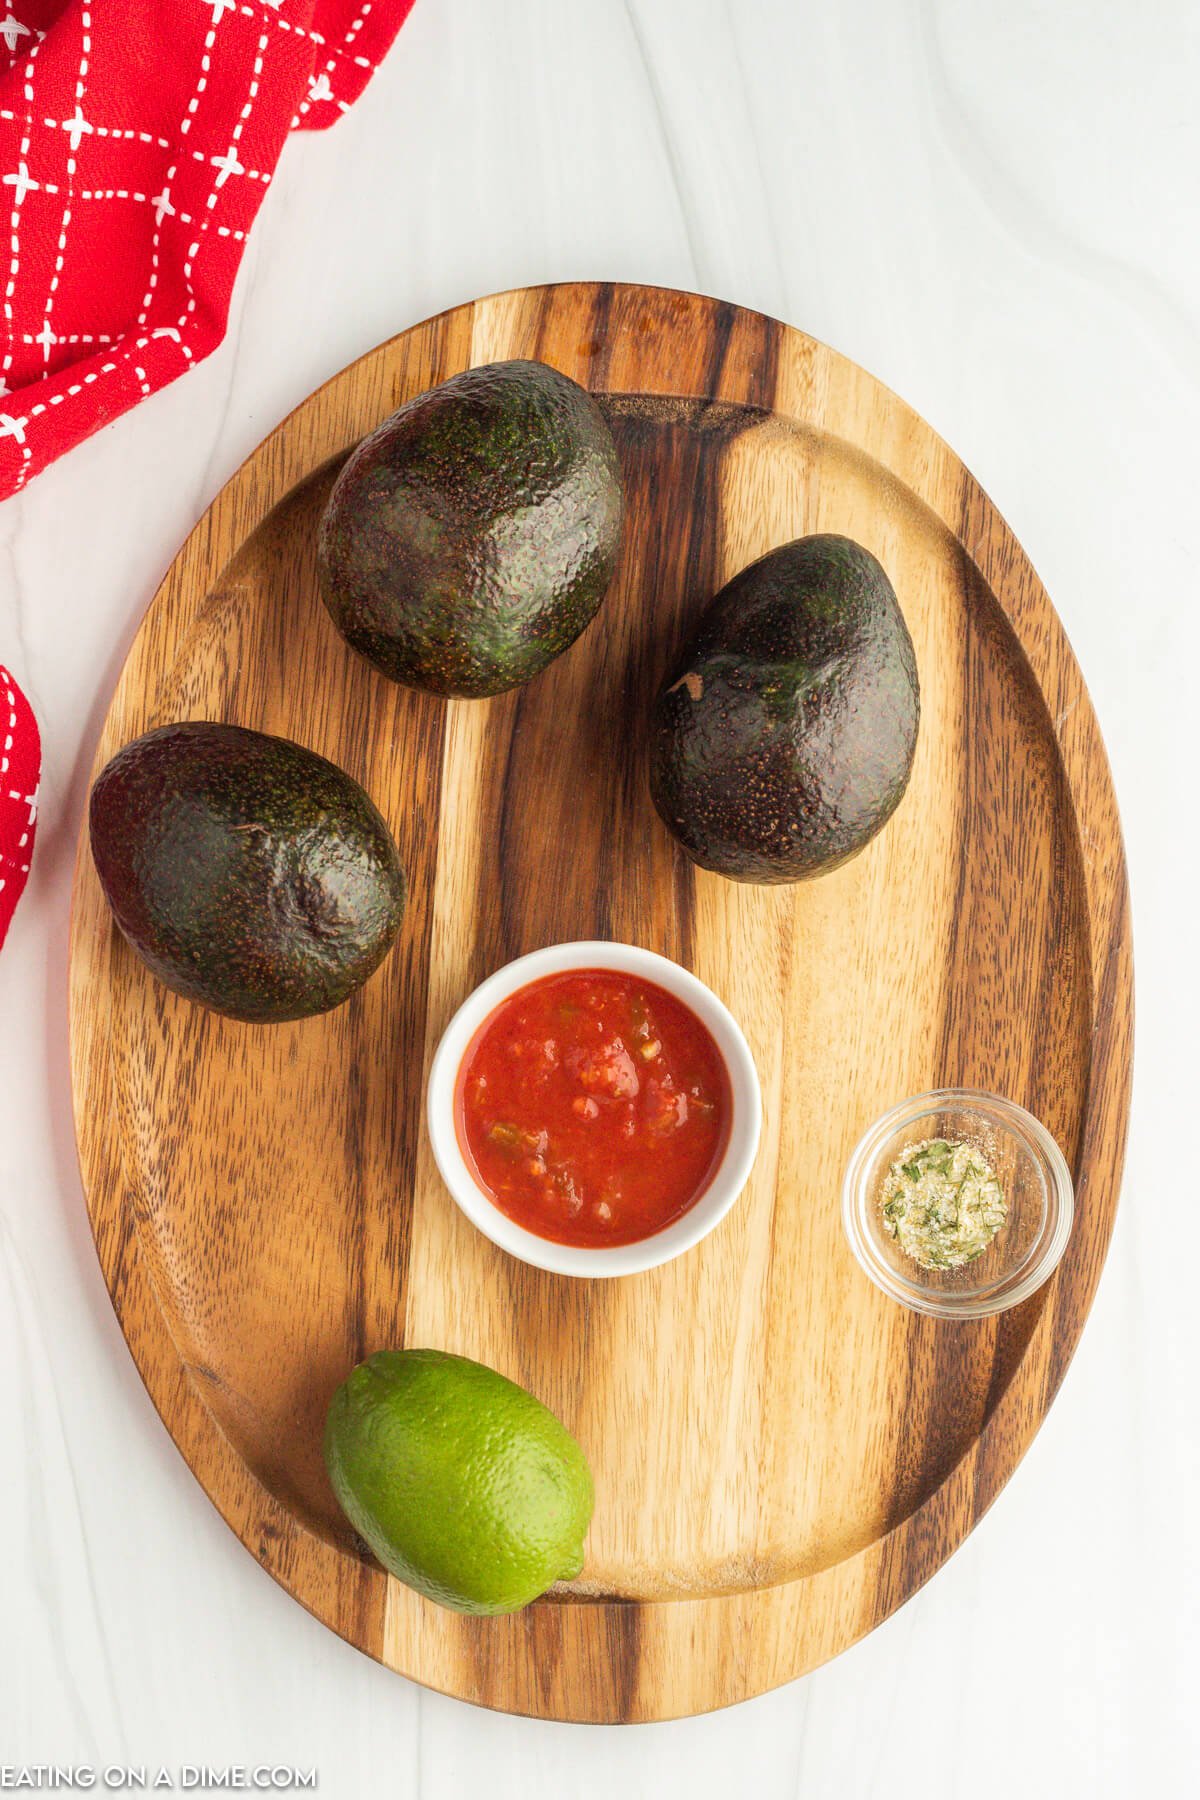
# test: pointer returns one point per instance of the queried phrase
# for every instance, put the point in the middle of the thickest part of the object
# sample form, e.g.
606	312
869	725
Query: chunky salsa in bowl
594	1108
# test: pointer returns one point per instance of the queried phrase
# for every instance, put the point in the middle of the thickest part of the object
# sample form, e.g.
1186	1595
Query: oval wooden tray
781	1454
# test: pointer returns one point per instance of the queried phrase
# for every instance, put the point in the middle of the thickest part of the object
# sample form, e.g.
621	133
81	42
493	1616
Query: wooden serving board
782	1455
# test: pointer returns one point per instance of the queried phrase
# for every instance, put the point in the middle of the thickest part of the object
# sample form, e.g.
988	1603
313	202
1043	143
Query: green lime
464	1485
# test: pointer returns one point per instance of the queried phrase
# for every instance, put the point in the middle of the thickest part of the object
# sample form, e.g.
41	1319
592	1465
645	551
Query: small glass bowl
1032	1172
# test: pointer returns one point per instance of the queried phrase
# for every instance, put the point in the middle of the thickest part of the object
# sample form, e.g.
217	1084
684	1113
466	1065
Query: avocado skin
470	539
784	738
247	872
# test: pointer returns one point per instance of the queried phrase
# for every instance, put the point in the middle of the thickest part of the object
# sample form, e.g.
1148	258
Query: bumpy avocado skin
247	872
470	540
783	739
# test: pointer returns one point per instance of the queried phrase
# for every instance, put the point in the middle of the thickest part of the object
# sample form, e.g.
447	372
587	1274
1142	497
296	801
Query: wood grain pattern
781	1454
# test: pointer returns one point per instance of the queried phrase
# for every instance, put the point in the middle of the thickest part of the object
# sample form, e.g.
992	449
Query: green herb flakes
942	1203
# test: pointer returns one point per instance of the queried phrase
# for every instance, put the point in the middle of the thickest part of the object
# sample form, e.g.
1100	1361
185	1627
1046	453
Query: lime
464	1485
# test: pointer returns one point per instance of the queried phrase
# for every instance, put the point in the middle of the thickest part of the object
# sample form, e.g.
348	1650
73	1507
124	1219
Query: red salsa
592	1107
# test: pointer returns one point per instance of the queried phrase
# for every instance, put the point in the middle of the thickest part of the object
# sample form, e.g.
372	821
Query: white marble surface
994	208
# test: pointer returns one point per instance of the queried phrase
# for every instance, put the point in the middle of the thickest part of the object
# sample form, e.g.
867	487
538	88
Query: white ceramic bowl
727	1181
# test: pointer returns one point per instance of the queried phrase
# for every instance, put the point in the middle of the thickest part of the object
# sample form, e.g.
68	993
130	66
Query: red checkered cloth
137	139
20	766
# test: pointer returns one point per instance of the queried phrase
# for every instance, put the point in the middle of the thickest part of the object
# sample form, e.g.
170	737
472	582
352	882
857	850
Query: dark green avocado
784	738
469	540
246	871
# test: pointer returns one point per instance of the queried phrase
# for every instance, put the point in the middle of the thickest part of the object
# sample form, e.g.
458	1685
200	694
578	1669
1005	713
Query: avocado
783	739
247	872
468	541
